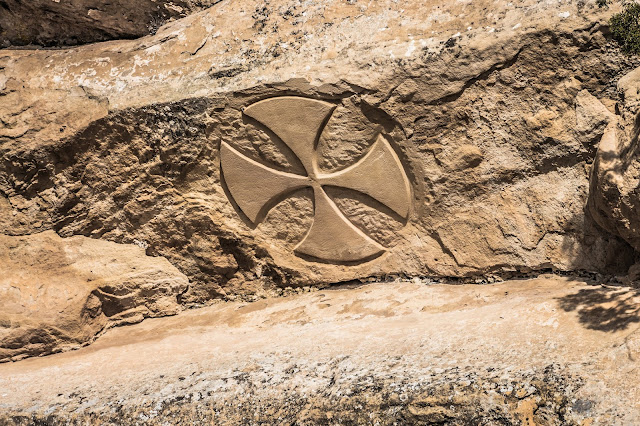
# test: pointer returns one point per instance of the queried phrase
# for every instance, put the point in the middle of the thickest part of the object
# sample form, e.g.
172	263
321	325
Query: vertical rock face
615	181
452	141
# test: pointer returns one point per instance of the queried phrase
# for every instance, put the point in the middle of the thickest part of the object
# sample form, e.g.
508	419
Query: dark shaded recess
72	22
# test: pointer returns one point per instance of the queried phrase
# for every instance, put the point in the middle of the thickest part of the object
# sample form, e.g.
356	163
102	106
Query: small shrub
625	28
602	3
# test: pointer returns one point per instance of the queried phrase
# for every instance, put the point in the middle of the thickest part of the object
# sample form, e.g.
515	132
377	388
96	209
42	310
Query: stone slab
549	350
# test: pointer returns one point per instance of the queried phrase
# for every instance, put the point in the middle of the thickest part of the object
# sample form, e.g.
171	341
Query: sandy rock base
59	293
549	350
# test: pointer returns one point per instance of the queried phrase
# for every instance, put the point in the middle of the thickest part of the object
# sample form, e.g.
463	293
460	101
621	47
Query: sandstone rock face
615	185
547	351
56	23
57	294
453	141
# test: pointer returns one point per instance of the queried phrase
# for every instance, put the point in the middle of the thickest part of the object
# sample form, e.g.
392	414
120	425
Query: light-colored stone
57	294
615	179
546	351
280	147
493	127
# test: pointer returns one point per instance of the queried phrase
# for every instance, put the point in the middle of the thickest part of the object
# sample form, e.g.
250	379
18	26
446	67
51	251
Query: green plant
625	28
602	3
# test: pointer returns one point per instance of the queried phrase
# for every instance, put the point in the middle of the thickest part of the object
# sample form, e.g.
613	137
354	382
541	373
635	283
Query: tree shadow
604	308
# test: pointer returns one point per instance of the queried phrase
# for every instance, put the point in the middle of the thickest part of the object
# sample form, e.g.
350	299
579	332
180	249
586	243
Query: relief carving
256	188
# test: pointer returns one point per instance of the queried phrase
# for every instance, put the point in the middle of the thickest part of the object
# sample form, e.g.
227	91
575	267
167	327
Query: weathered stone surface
59	23
57	294
493	127
256	188
615	185
547	351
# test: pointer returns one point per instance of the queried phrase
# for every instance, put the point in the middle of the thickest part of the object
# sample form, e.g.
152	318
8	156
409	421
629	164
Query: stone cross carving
256	188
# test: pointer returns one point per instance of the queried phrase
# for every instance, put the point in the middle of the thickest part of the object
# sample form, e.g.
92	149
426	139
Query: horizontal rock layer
546	351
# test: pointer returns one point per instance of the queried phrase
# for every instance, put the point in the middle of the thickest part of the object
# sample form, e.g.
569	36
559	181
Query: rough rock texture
547	351
488	106
57	294
615	185
70	22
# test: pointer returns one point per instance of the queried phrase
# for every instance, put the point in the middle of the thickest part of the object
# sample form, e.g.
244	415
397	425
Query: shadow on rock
603	308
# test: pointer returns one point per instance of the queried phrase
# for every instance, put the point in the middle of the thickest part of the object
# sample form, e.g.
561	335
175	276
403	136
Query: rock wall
491	119
64	23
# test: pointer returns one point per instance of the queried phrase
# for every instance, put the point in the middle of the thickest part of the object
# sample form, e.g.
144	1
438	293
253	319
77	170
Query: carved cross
256	188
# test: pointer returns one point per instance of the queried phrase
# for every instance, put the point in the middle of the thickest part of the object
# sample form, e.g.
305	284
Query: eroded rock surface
615	187
546	351
487	106
65	23
57	294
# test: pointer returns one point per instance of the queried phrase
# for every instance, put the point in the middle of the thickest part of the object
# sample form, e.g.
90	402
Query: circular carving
299	122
